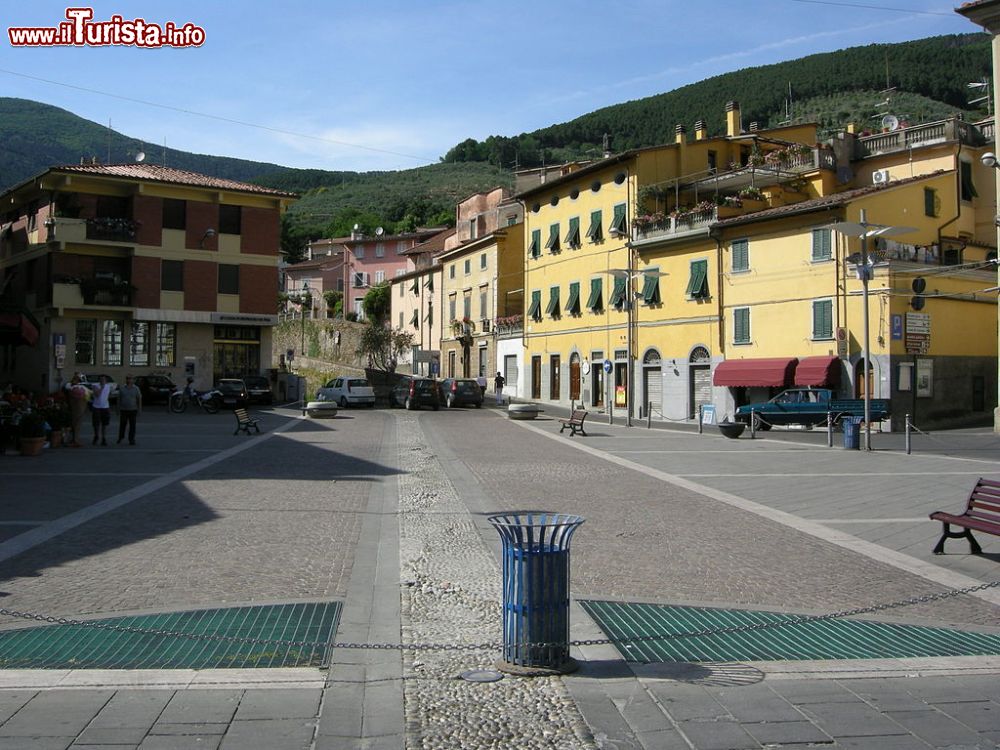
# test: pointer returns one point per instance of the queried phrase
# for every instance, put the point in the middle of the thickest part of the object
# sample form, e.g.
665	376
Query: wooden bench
575	422
244	422
982	513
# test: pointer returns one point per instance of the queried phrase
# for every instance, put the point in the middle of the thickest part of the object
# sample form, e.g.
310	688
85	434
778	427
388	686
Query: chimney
733	124
679	134
699	130
753	126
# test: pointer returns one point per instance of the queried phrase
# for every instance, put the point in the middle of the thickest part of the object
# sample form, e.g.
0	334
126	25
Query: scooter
209	400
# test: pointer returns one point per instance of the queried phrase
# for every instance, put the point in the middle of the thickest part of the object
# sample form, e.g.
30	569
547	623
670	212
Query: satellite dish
890	122
140	157
379	231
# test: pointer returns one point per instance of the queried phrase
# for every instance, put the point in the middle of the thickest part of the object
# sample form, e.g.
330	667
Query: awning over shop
776	372
818	372
17	329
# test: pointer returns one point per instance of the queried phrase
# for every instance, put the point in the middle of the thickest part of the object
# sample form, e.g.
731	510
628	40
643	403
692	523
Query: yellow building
685	271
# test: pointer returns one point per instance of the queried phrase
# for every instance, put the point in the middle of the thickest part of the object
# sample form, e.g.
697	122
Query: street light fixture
303	296
863	230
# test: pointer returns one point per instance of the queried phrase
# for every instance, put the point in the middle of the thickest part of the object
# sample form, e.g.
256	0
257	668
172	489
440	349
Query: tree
377	303
383	345
334	302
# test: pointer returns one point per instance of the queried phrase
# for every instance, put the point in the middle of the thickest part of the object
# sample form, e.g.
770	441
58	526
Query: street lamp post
863	230
303	296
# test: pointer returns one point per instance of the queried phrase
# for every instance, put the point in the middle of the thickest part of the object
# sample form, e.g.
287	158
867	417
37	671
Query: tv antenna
986	88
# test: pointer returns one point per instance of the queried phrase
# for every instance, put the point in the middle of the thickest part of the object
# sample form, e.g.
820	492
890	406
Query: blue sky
393	85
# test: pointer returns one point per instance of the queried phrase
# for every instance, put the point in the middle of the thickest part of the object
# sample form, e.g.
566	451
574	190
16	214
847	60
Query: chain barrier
497	646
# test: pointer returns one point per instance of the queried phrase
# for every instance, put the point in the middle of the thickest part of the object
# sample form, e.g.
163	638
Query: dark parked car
461	392
412	393
234	392
156	389
258	389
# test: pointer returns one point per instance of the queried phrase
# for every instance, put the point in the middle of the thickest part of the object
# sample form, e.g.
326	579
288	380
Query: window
535	248
430	284
968	189
451	271
166	344
85	333
414	319
358	279
618	293
482	262
174	214
595	233
359	251
553	308
400	247
741	256
111	343
401	319
451	307
473	227
414	287
823	319
712	161
573	300
618	222
697	287
379	250
552	245
468	266
554	368
340	285
930	202
229	219
573	234
467	305
741	325
822	248
535	309
138	344
400	272
359	309
484	294
511	219
172	275
229	279
651	287
594	300
379	277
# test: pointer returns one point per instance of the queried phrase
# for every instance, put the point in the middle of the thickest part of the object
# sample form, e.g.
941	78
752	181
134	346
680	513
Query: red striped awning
776	372
819	372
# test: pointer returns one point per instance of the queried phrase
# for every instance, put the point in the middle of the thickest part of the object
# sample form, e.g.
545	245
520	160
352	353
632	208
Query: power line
876	7
218	117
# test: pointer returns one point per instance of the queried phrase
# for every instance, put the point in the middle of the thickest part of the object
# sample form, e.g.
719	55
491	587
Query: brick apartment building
136	268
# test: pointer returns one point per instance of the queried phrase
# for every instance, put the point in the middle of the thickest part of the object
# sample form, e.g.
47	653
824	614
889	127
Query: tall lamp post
863	230
303	296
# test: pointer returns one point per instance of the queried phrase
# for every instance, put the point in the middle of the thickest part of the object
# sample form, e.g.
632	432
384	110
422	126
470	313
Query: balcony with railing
659	226
509	325
100	291
927	134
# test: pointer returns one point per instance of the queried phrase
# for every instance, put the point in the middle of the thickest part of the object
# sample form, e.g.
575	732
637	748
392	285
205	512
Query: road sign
608	365
842	343
918	323
918	333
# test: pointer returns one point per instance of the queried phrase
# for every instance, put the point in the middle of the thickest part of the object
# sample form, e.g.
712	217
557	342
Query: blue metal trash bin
852	432
536	590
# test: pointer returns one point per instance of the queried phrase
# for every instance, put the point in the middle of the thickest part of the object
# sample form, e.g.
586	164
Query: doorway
536	377
574	377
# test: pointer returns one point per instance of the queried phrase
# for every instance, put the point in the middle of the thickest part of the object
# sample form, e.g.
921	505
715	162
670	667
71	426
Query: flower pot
732	430
31	446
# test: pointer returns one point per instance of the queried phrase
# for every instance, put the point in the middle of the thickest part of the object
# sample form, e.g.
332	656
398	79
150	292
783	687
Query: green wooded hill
835	87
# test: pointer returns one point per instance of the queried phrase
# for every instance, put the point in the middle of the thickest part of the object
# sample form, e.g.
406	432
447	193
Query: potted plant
31	433
58	416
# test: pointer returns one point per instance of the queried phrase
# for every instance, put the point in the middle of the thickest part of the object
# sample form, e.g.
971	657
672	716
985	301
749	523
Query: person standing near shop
498	384
129	406
101	409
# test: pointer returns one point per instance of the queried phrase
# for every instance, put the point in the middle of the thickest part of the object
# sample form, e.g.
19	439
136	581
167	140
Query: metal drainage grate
823	639
81	647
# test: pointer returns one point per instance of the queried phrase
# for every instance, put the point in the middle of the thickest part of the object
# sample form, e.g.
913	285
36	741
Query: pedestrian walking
129	407
498	384
101	409
78	395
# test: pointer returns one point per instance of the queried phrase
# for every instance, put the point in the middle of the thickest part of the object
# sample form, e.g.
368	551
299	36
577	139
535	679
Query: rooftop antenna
985	87
109	141
164	152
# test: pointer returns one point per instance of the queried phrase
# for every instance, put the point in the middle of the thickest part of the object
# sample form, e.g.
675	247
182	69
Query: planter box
732	430
321	409
522	411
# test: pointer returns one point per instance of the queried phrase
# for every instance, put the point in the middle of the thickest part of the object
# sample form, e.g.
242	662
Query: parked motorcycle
209	400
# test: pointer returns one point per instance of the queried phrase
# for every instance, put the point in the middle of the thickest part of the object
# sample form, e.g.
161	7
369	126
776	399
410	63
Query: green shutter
596	232
823	319
430	284
534	311
618	222
573	302
535	248
741	325
430	316
618	293
416	286
553	242
573	235
968	189
553	308
822	248
697	287
415	319
651	290
594	301
741	255
930	207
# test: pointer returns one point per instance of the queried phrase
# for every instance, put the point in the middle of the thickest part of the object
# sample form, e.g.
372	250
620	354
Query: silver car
347	391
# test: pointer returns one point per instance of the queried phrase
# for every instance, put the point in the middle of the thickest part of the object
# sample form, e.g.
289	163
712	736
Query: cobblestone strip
451	593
